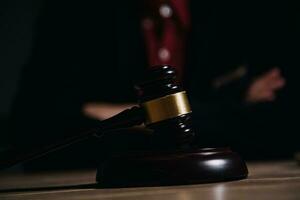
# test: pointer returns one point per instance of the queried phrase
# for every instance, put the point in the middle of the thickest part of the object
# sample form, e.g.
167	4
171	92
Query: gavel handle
127	118
17	156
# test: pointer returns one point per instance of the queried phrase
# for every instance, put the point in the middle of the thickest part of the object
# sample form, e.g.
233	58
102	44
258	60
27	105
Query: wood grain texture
267	180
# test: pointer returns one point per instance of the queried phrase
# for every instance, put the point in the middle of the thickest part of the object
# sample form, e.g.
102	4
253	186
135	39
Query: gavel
174	157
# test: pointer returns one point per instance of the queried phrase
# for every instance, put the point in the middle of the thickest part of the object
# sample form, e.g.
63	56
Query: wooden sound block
171	168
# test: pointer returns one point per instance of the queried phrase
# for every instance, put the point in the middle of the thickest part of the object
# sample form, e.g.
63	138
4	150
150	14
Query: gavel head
167	109
173	159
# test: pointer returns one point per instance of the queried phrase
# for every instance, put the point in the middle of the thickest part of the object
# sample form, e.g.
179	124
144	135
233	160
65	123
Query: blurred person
88	55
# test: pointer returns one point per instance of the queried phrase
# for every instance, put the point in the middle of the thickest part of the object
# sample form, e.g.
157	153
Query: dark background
17	34
17	19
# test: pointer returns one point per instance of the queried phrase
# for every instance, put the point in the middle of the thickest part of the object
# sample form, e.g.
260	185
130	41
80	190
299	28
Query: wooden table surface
267	180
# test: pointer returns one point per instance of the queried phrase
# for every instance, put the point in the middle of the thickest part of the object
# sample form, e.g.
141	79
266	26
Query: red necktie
165	27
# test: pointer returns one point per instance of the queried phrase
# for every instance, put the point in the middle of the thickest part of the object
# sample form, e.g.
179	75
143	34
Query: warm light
219	192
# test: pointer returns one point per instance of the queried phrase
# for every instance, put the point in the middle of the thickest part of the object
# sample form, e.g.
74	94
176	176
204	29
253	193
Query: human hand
264	87
102	111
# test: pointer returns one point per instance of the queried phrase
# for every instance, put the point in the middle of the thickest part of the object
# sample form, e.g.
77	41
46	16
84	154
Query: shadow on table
53	188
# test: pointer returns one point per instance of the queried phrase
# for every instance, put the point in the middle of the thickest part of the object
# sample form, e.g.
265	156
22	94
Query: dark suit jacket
94	51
